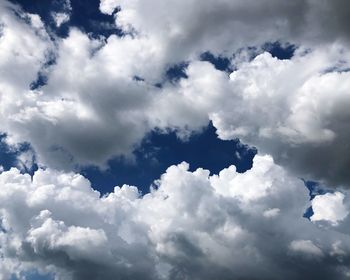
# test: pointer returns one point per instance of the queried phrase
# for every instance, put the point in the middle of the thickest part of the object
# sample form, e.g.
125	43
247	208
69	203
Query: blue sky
216	135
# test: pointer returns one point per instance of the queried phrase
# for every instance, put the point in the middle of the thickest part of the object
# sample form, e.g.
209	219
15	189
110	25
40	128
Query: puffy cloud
93	108
190	226
23	48
55	121
191	27
108	6
99	101
294	109
329	207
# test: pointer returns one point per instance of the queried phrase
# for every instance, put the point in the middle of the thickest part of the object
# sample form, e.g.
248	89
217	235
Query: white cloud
191	226
62	15
294	109
195	226
108	6
191	27
22	51
60	18
92	108
329	207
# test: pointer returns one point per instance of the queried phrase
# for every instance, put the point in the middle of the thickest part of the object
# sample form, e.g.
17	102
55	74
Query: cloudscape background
152	139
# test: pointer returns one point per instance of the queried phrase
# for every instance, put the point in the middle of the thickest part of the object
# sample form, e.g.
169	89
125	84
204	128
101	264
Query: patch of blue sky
221	63
158	151
84	15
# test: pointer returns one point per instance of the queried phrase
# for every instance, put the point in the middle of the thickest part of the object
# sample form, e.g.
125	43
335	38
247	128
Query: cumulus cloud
108	6
190	226
23	49
219	26
103	95
54	121
100	98
92	107
294	109
329	207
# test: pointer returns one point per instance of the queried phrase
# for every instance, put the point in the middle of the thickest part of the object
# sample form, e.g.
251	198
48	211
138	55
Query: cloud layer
191	226
101	98
295	110
83	99
94	108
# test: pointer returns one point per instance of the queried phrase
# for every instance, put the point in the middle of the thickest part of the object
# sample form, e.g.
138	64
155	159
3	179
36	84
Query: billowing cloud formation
100	98
82	100
295	110
191	226
218	26
92	107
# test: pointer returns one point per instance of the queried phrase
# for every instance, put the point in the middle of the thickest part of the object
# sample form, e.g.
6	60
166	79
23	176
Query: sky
165	140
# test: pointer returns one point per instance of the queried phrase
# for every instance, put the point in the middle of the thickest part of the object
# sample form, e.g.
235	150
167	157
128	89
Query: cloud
329	207
60	18
93	108
191	226
191	27
108	6
23	49
90	107
101	96
26	161
305	247
63	13
55	120
294	109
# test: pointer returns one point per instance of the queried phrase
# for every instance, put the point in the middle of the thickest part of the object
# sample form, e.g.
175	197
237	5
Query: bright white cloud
329	207
108	6
191	226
